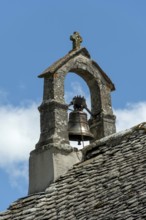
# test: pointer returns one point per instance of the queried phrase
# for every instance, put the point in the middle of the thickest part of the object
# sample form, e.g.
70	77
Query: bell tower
53	154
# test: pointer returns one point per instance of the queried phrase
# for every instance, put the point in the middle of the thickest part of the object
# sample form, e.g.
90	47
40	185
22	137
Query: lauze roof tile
109	184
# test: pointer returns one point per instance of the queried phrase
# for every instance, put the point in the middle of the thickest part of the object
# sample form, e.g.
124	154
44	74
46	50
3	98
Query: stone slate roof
73	53
109	184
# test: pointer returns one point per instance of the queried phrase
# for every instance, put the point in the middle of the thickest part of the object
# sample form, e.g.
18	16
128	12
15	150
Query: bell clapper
79	142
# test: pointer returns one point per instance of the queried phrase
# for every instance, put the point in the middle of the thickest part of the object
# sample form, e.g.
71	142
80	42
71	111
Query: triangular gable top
73	53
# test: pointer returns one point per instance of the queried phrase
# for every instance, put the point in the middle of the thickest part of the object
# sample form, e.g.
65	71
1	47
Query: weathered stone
45	166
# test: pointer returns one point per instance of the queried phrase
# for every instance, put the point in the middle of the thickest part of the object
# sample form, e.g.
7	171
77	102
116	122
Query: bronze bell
78	125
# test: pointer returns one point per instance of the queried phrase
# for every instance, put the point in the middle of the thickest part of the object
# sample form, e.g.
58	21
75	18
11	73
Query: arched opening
74	85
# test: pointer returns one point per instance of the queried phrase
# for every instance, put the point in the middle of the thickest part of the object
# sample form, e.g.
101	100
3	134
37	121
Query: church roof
74	53
109	184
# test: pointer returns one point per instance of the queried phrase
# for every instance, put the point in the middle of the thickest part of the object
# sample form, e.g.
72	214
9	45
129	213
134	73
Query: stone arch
93	88
54	109
82	69
75	85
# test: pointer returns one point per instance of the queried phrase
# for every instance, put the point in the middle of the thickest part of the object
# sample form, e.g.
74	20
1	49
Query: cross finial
77	40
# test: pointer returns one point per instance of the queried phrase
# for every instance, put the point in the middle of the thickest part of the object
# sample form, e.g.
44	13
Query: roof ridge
113	138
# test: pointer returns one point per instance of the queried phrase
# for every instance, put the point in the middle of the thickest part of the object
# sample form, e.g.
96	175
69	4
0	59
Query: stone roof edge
59	63
113	138
112	86
20	202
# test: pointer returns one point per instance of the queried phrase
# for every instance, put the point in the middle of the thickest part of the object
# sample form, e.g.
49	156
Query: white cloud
19	132
131	115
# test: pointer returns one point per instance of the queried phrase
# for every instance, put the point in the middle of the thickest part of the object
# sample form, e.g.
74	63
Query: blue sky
34	34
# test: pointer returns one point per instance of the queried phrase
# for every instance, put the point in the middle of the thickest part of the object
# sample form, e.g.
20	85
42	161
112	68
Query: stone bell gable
53	155
100	86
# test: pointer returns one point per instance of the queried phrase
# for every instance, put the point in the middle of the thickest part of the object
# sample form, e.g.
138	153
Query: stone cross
76	39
